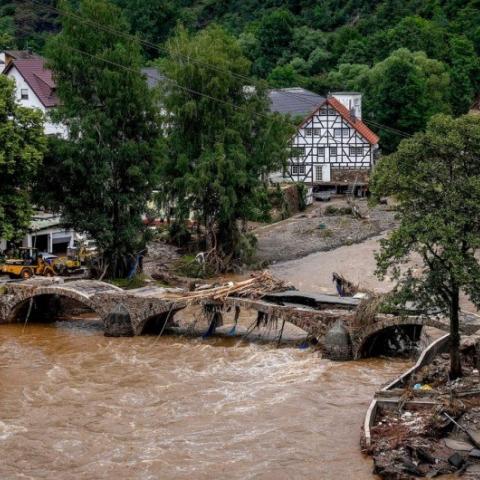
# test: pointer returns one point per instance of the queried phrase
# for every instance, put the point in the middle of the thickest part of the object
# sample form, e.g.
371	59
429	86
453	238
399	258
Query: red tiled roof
38	78
356	123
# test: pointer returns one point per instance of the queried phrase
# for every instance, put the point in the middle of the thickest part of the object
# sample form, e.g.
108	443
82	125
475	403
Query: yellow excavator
70	263
26	264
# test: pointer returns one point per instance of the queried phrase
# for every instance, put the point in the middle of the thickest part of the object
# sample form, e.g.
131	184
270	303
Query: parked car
323	196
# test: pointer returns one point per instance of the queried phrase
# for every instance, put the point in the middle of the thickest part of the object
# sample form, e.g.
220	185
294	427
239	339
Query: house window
312	132
298	152
318	173
321	151
333	151
298	169
328	111
341	132
355	151
24	93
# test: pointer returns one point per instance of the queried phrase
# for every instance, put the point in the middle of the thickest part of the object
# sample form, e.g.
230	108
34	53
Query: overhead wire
189	59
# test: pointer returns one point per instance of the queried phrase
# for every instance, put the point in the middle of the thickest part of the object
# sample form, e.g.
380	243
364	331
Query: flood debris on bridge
330	321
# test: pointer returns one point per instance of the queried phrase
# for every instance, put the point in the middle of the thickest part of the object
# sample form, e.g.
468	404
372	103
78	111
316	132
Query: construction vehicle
71	263
26	264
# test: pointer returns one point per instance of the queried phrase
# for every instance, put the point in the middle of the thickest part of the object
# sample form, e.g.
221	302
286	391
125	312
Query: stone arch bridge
325	318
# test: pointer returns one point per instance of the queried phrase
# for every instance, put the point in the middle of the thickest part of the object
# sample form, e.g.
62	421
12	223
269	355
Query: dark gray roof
154	77
295	101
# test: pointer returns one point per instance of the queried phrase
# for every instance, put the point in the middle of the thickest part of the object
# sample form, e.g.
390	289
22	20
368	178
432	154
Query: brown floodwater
77	405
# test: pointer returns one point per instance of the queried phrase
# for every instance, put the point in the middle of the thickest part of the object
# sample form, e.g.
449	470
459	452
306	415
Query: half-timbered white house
332	147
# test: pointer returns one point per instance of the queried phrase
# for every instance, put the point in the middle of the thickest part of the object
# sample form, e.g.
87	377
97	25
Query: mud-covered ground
314	231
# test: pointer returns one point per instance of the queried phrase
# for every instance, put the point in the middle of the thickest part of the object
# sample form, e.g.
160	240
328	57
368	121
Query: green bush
335	211
188	266
138	281
302	196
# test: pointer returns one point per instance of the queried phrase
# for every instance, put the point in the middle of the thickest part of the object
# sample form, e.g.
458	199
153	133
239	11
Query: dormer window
24	93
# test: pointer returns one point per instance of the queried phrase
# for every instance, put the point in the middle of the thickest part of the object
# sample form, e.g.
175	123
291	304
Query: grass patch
138	281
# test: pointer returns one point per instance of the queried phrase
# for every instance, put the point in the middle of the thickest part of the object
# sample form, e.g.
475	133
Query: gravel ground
313	231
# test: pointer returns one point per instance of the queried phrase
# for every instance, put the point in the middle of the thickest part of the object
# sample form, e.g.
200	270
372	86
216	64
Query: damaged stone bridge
326	318
45	299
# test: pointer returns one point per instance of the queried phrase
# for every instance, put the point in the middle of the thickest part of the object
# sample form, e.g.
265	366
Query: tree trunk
455	362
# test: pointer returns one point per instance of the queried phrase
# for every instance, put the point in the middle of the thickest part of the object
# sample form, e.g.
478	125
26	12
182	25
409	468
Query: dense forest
410	58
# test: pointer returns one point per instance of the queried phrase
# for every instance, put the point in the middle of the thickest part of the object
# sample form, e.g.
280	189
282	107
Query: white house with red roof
35	87
332	148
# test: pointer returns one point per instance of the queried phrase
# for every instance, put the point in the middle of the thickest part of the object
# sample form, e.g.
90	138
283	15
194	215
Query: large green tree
403	92
22	145
436	178
102	176
222	140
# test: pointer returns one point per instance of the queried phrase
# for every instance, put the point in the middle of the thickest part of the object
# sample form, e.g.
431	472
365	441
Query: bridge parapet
152	304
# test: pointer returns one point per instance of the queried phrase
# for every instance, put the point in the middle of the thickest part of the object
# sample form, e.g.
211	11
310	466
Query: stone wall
350	176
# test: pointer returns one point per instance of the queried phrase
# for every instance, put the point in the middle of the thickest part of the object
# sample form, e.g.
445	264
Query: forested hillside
411	59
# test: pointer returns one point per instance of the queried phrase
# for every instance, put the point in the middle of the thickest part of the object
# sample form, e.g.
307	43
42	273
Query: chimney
352	101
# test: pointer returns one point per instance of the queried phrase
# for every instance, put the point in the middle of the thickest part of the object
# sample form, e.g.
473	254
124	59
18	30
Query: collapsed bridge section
329	320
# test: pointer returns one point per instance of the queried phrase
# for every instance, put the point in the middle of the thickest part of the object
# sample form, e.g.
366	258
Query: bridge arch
362	338
22	299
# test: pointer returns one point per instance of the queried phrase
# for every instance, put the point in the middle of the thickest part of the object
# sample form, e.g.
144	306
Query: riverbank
322	227
409	431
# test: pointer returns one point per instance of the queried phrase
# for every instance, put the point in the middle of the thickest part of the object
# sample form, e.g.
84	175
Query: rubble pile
434	428
257	286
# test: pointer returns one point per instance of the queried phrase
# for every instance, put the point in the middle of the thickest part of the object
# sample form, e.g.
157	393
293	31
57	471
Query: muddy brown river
77	405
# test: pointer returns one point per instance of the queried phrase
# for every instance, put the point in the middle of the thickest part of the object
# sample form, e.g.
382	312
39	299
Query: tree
464	72
284	76
152	20
436	178
274	35
102	176
221	139
22	145
34	23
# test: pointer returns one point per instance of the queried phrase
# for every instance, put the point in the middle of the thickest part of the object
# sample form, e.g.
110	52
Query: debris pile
255	287
368	309
345	288
434	428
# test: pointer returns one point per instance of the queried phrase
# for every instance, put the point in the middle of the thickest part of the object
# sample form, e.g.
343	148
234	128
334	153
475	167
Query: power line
159	48
198	62
187	89
140	40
